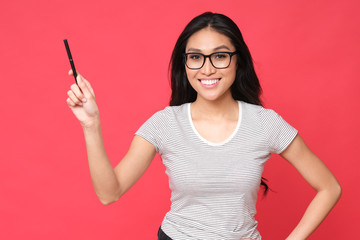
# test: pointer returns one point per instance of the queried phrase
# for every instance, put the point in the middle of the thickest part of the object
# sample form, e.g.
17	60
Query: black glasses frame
208	56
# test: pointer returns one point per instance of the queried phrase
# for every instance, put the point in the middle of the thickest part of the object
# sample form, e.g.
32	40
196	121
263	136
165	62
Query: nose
208	68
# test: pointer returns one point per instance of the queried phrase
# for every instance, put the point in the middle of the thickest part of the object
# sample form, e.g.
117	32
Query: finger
75	88
89	86
87	93
73	98
70	103
71	73
86	82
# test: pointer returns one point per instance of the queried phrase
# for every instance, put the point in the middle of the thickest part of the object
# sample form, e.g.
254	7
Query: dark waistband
162	235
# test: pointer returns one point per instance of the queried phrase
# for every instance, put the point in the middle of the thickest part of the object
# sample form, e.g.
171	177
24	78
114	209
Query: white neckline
212	143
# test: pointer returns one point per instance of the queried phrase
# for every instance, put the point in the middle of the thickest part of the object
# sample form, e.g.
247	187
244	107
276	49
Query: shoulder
171	111
261	116
276	132
257	111
162	125
168	114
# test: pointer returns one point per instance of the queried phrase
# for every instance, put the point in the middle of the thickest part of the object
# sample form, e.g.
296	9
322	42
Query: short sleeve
278	133
151	130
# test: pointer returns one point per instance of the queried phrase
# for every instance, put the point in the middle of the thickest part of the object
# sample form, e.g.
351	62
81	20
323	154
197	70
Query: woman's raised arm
109	183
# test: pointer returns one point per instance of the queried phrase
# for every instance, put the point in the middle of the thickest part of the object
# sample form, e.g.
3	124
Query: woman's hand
82	102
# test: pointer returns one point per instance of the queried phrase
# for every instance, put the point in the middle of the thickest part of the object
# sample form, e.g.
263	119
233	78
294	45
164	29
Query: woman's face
209	82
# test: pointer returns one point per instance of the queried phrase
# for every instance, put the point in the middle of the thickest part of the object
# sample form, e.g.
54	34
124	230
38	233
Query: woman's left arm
320	178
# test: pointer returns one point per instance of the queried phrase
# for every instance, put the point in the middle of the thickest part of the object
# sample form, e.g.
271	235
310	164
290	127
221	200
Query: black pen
70	59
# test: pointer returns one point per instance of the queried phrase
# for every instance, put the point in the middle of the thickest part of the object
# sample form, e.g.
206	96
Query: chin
210	98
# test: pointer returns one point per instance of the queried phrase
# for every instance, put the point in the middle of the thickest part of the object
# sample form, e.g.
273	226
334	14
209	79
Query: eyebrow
215	49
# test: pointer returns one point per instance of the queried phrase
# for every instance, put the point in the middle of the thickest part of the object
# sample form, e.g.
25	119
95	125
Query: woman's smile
209	82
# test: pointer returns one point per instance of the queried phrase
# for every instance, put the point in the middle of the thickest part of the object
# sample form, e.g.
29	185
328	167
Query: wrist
92	125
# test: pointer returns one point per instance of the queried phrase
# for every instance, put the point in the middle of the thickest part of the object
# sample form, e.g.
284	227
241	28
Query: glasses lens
194	60
220	60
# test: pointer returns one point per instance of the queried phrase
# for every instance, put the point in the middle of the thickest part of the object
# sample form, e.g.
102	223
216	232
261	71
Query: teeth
209	82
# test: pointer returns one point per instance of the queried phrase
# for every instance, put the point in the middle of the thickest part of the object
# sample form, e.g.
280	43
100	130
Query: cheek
232	71
231	74
187	73
190	74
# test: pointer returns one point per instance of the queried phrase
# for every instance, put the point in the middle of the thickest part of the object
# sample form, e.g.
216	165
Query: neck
219	108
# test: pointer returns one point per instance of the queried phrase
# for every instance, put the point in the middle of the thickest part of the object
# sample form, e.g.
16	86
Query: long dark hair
246	86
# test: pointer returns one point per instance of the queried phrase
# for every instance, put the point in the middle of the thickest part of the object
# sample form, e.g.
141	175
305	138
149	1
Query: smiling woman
214	140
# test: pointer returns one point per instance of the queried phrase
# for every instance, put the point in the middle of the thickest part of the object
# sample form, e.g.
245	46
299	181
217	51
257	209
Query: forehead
208	39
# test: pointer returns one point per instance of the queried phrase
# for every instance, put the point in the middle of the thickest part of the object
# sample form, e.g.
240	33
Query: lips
209	83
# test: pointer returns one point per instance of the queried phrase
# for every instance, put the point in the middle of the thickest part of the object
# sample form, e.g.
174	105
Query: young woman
214	140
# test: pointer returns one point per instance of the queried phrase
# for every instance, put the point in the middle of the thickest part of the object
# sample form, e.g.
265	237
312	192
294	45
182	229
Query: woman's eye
194	56
220	56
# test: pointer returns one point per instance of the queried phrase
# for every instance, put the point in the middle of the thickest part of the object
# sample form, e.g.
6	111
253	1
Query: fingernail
83	100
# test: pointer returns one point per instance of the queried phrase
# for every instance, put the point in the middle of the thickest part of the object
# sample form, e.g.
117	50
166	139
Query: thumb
83	86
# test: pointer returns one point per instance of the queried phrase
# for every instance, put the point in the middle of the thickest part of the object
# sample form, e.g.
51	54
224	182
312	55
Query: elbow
106	202
338	191
335	190
109	200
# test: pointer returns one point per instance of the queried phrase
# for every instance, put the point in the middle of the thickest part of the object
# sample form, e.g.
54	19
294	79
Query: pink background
306	54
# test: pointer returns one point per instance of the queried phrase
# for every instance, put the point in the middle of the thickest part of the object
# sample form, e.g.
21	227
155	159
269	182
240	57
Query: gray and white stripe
214	185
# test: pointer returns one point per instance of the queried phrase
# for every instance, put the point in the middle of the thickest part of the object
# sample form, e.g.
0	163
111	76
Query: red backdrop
306	54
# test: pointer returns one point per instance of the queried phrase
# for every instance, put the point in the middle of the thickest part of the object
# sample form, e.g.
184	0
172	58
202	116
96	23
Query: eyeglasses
218	59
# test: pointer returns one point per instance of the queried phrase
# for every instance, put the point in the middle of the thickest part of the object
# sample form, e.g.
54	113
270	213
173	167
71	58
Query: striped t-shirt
214	185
